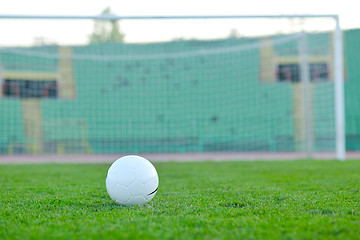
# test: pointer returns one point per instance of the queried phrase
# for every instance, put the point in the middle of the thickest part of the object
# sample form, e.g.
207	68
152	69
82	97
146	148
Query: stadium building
233	94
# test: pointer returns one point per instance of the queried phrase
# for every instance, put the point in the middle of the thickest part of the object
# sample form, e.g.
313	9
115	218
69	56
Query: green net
229	94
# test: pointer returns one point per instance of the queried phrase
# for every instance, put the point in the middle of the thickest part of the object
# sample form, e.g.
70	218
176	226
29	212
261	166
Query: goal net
167	85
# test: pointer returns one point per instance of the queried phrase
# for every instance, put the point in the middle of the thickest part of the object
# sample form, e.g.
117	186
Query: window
319	72
288	73
29	88
292	72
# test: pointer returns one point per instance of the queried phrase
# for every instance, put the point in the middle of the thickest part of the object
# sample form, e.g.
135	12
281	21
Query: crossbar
117	17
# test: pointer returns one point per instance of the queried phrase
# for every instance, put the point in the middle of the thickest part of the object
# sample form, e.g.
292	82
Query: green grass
203	200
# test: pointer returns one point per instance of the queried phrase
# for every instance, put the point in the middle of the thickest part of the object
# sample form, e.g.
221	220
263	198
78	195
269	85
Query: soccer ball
132	180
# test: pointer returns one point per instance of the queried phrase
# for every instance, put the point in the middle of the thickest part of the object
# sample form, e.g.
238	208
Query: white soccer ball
132	180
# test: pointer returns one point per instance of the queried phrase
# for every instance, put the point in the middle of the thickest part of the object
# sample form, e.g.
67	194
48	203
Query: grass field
202	200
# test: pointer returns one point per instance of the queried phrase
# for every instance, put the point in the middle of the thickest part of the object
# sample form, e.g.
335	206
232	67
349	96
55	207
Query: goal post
339	92
270	83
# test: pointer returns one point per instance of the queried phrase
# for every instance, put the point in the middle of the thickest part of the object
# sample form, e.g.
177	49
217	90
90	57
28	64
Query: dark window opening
29	89
319	72
288	73
292	72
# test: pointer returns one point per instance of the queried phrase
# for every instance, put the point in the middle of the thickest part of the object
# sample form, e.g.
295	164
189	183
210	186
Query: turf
203	200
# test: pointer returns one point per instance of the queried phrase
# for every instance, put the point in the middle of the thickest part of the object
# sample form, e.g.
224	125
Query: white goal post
338	61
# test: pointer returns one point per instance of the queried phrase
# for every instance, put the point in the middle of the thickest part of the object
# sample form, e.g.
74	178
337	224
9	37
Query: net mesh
236	93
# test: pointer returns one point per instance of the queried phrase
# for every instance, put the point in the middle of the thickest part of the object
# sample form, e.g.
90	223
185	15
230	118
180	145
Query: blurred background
238	85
